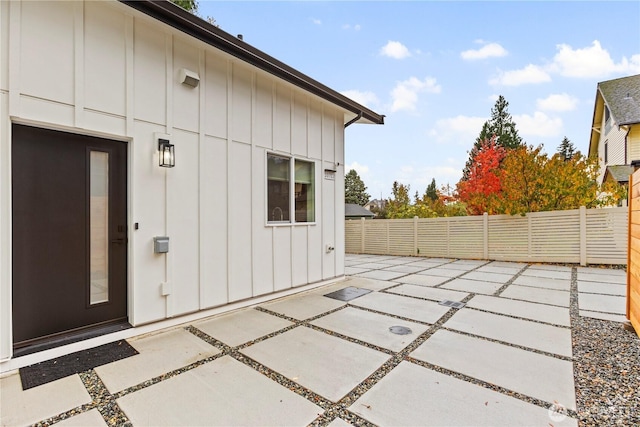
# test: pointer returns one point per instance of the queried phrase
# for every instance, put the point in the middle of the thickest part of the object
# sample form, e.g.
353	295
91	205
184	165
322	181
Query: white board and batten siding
584	236
102	68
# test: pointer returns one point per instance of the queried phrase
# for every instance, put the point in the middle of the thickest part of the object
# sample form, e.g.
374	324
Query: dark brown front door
69	201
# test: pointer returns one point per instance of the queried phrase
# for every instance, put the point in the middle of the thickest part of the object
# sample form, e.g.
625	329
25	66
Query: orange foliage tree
482	187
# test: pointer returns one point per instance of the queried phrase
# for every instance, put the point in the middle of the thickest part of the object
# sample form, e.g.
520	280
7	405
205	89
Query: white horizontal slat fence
584	236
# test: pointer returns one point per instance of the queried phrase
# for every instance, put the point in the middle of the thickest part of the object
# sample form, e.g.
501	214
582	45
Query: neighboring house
376	204
355	211
96	236
615	129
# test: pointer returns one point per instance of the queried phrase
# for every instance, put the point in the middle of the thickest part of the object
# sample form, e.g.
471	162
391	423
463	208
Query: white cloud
529	74
490	50
356	27
539	124
420	178
364	98
405	95
591	62
395	50
362	170
458	130
316	21
557	102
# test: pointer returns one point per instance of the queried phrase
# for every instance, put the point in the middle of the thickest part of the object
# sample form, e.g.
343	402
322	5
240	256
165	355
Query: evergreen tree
432	192
501	126
354	189
190	5
566	149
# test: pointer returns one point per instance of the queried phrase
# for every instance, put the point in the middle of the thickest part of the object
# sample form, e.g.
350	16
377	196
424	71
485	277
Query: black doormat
348	293
80	361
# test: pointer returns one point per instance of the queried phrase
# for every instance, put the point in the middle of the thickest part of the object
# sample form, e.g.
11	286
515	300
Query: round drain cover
400	330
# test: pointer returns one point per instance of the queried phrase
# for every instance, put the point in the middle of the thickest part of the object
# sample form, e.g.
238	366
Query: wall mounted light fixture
166	153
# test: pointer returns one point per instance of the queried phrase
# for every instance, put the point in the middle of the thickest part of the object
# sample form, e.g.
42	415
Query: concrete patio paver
303	306
223	392
369	327
473	286
605	303
325	364
443	271
406	269
420	310
411	395
527	310
239	327
487	276
602	288
25	407
423	280
491	268
435	294
548	273
542	282
381	274
90	418
541	295
522	371
525	333
159	353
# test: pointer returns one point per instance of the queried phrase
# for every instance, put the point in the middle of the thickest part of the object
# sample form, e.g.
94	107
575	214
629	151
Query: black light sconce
166	152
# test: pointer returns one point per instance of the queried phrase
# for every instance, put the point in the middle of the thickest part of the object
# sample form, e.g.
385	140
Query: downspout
352	121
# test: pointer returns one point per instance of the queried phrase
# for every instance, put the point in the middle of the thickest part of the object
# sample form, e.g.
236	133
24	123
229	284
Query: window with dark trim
606	152
287	177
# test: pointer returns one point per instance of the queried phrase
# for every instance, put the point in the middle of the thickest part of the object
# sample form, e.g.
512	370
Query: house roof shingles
623	98
352	210
619	172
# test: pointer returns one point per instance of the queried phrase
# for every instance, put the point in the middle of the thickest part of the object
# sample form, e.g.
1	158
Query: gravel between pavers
607	373
606	368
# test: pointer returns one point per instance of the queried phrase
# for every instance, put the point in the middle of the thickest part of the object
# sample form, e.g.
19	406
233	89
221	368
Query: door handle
119	241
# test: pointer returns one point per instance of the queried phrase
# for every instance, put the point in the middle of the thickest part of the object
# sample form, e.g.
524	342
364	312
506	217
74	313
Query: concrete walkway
392	356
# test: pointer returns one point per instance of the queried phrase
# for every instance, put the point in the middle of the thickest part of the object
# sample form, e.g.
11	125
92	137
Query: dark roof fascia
186	22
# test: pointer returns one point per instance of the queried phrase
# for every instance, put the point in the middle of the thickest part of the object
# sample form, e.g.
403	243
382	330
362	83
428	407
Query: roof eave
186	22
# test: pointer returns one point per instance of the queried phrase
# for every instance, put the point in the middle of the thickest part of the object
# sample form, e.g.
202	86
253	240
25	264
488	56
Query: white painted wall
101	68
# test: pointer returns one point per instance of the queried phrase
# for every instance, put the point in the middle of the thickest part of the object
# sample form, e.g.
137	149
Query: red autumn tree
481	189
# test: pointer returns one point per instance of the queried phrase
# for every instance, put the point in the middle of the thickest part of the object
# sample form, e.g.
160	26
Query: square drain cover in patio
347	294
454	304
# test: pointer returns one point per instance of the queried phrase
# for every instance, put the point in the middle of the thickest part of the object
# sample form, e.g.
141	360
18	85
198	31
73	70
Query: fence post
362	241
388	238
529	236
583	236
485	234
416	250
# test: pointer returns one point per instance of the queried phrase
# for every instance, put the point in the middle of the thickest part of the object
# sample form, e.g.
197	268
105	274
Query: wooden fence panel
508	238
596	236
554	236
353	236
633	265
433	237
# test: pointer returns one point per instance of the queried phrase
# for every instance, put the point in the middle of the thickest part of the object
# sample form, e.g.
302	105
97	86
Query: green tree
354	189
501	126
190	5
432	192
566	149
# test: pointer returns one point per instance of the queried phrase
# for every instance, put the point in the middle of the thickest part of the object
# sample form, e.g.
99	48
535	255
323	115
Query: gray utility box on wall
161	245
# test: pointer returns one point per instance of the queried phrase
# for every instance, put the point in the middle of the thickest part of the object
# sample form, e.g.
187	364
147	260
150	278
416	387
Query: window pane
278	188
99	227
305	192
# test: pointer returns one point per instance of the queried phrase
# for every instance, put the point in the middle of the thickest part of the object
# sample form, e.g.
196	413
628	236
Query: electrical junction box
161	245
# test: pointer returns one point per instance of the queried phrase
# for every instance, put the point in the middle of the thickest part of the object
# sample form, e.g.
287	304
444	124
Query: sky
436	68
